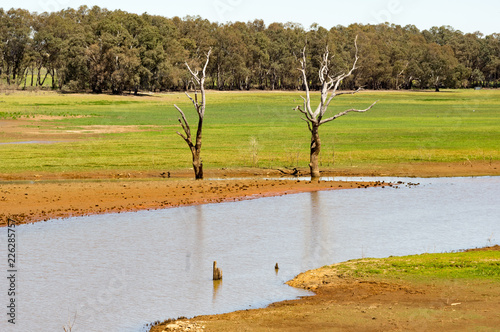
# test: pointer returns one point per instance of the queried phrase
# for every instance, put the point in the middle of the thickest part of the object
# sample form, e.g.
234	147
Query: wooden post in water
217	273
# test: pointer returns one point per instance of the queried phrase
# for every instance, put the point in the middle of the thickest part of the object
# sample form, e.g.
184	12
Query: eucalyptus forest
98	50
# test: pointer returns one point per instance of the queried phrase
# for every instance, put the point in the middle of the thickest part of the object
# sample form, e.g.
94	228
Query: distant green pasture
248	129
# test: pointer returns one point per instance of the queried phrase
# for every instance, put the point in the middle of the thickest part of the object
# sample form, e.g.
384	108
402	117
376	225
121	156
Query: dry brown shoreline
32	197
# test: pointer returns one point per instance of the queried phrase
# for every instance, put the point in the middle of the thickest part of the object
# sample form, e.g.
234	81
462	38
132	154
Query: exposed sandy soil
369	305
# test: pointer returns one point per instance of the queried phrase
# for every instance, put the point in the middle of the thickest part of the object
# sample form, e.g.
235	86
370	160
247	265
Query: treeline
94	49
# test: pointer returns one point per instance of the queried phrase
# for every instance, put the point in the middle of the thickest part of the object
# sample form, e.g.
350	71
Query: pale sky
464	15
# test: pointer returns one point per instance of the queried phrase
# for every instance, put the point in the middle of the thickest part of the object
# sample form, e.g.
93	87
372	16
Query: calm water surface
118	272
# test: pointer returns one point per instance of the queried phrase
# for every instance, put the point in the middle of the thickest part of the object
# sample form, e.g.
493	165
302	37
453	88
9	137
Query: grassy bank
245	129
461	265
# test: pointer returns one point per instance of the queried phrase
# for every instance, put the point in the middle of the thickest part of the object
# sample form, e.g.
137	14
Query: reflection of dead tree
200	109
329	86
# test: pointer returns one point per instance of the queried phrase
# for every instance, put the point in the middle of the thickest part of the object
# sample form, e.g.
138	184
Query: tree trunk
197	165
219	79
8	74
26	72
315	149
38	82
196	150
53	76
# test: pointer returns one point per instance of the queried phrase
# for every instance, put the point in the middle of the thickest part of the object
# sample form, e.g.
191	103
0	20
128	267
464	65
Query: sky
464	15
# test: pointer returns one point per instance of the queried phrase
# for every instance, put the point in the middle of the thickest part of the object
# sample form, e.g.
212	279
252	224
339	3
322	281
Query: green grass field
254	129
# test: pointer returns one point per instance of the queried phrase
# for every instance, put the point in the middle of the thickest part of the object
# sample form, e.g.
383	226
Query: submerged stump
217	273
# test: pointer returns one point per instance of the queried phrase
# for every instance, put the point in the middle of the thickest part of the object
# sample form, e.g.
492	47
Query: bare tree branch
304	112
348	92
308	123
185	138
184	123
201	109
345	112
206	63
192	100
307	100
193	74
335	94
186	130
341	77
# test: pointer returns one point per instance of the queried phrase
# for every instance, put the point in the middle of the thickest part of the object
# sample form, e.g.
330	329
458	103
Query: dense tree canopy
98	50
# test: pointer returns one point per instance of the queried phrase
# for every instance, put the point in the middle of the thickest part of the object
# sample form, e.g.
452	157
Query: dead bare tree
200	109
329	87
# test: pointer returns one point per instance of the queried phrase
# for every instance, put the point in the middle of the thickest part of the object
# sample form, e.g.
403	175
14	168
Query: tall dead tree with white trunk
199	105
329	90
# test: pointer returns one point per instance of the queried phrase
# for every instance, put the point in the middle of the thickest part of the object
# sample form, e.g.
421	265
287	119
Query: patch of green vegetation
256	129
459	265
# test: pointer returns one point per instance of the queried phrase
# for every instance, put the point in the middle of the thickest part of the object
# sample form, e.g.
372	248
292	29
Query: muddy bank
44	200
31	197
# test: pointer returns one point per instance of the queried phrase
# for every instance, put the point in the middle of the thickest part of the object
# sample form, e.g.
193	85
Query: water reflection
199	235
217	285
317	231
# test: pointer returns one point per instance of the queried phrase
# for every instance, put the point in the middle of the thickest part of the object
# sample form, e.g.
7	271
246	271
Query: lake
117	272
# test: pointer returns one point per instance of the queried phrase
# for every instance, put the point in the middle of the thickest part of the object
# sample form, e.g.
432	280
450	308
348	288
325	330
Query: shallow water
117	272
